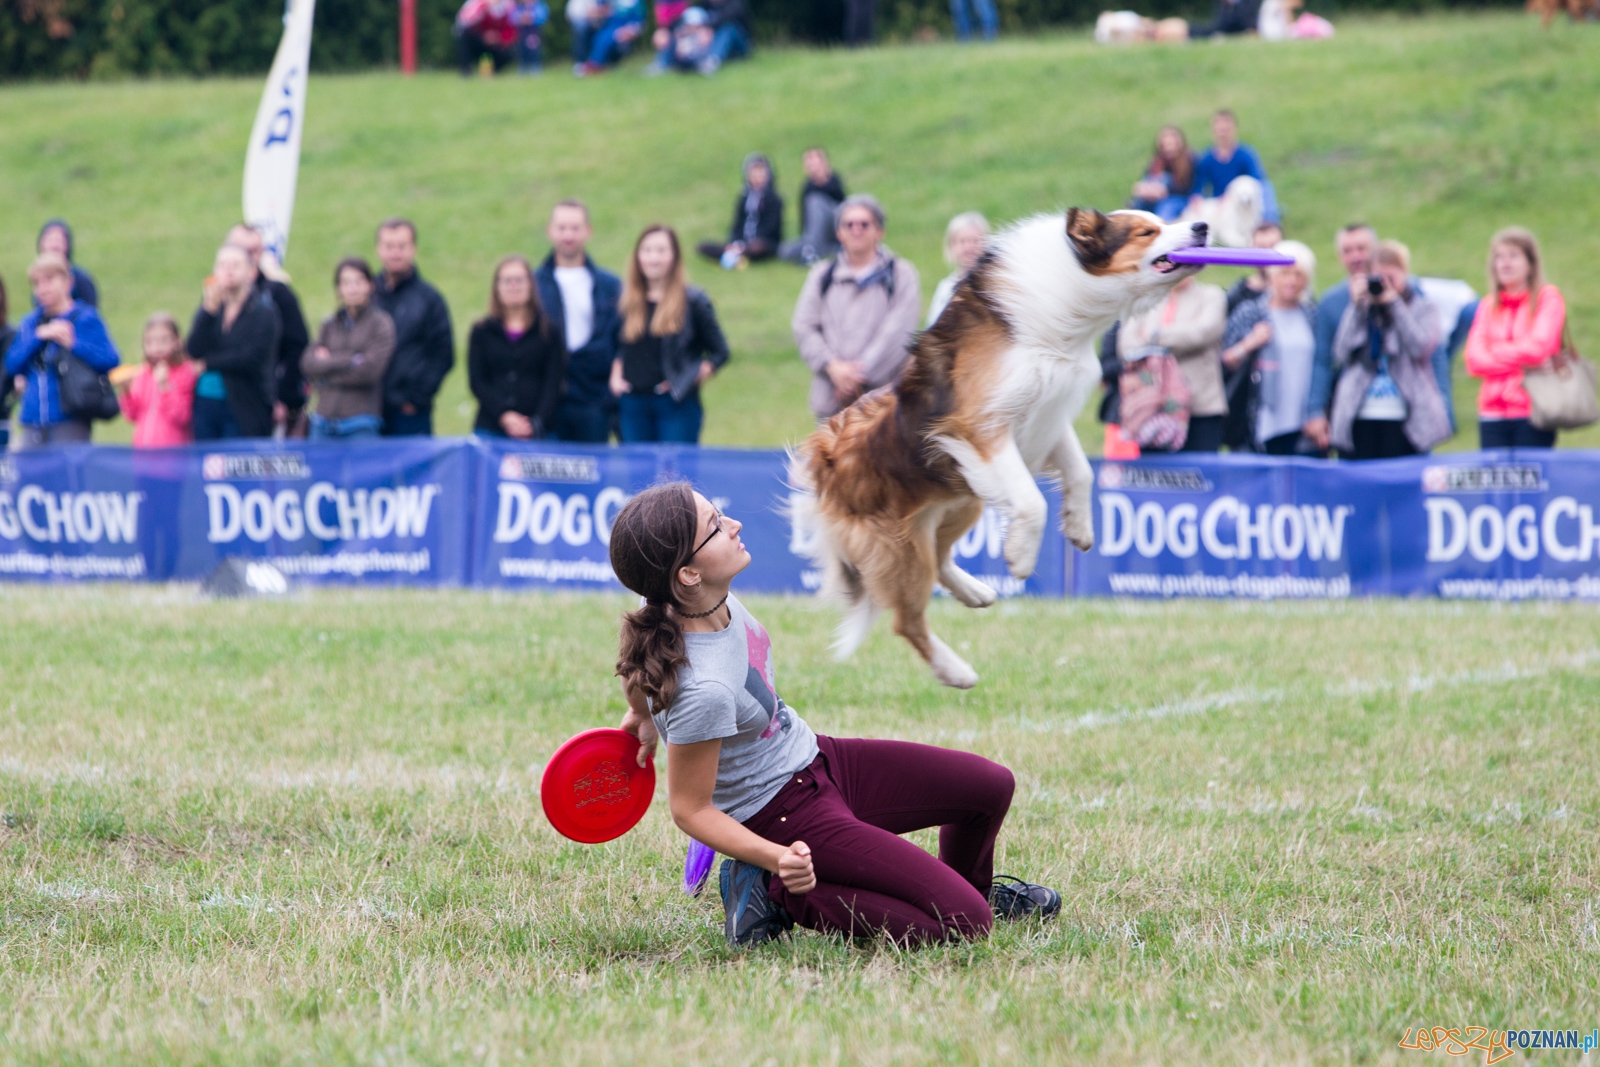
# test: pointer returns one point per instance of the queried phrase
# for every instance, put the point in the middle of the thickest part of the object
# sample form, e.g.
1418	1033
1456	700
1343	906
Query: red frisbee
593	788
1212	255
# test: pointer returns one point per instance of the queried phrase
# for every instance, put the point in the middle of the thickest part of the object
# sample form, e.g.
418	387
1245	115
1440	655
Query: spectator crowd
570	351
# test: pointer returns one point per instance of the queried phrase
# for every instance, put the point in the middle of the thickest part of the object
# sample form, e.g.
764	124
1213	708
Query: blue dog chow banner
390	512
77	514
1504	525
545	513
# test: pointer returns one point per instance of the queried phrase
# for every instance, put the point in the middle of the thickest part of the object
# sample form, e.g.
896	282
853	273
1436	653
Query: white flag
272	163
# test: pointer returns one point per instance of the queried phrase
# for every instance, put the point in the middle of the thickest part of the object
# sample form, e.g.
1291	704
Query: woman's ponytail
652	538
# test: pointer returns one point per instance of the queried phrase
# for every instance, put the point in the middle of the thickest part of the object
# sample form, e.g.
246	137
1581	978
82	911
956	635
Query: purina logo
1501	478
1154	479
525	468
253	466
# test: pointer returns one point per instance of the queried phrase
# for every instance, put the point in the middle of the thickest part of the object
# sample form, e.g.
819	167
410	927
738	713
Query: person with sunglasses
856	312
810	823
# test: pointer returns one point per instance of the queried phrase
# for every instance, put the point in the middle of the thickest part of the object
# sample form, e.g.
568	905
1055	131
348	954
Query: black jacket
1111	376
246	357
589	368
289	387
769	217
700	339
833	189
524	375
425	343
723	12
7	382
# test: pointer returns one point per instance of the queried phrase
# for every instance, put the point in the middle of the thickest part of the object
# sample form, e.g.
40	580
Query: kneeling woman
811	823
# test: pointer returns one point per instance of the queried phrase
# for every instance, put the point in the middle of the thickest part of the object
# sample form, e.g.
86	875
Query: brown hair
355	263
497	310
652	539
396	222
1392	253
668	318
167	322
572	202
1528	244
49	263
1181	169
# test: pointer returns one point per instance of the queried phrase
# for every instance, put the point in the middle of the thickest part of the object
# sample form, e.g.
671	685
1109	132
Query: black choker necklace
703	614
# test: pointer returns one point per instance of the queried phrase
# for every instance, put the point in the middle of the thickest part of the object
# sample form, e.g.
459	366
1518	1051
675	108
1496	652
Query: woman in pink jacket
159	398
1517	326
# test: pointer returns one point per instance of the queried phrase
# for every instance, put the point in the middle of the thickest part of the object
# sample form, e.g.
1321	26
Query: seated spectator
485	28
703	38
584	17
1220	166
1274	336
964	240
620	26
235	334
581	298
346	363
159	398
1168	180
7	383
1252	285
56	327
988	19
757	228
528	18
671	343
1233	17
516	357
857	311
56	237
820	197
1387	402
1518	325
1189	323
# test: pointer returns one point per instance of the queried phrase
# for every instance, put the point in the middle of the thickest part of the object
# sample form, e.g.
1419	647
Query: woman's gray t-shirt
729	691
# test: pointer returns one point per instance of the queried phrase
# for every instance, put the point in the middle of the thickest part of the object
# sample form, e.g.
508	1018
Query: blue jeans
582	423
213	421
652	417
345	429
731	42
397	423
1168	208
986	18
607	49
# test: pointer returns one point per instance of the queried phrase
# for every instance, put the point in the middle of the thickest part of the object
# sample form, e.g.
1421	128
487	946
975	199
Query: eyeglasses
716	528
858	224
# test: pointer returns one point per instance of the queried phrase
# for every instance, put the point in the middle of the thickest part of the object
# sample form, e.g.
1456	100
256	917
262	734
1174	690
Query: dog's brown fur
894	501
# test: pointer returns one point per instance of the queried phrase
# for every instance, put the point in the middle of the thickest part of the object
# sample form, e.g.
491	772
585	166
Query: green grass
309	832
1438	130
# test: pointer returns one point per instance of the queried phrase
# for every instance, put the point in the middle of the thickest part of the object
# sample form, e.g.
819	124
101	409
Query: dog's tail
817	537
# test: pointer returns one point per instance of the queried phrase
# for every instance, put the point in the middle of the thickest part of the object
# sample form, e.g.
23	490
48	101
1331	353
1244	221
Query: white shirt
941	296
577	304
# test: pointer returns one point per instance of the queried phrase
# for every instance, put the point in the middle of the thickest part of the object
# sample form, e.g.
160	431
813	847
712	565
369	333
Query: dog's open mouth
1163	265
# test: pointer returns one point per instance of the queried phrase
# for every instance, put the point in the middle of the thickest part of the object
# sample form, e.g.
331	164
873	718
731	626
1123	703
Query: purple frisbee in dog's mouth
1206	256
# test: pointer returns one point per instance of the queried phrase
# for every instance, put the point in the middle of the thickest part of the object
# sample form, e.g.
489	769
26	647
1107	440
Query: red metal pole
408	36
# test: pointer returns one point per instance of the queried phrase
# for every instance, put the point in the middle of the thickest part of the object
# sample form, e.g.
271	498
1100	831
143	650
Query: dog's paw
977	595
1079	531
950	668
1020	563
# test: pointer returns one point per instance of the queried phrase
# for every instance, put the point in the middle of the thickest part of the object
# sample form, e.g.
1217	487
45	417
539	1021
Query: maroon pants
850	806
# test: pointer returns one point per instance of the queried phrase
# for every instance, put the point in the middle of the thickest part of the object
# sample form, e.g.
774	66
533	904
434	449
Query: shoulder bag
85	392
1563	389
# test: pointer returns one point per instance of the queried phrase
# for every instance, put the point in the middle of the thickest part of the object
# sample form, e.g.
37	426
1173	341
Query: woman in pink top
159	398
1518	325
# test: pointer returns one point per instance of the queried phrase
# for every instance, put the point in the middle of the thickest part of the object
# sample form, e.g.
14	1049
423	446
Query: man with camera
1355	244
1387	401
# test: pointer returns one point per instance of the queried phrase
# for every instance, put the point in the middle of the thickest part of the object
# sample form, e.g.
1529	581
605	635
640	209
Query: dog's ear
1087	230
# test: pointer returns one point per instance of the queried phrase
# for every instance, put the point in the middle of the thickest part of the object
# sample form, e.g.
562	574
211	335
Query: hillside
1437	130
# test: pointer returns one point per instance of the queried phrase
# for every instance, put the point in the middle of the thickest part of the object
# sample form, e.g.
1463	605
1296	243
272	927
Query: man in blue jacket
57	327
581	300
1228	159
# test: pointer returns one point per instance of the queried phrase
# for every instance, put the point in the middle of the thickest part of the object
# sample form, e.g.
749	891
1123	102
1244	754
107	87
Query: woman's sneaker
1014	899
749	915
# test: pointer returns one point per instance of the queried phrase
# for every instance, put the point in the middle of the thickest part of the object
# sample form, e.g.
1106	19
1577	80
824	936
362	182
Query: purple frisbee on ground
697	867
1231	257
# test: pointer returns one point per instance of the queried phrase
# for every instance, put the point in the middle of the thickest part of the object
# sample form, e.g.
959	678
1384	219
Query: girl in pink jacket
159	398
1517	326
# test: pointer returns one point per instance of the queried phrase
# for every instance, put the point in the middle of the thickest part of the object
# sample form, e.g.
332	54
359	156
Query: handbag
1564	390
1155	399
85	392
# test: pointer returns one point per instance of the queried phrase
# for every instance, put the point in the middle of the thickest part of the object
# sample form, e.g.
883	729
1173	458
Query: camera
1374	286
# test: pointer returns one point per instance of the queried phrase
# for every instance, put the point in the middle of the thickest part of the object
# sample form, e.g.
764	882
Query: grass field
1439	131
309	832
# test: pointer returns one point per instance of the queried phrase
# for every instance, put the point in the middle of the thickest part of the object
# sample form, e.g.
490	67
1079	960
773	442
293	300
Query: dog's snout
1200	229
